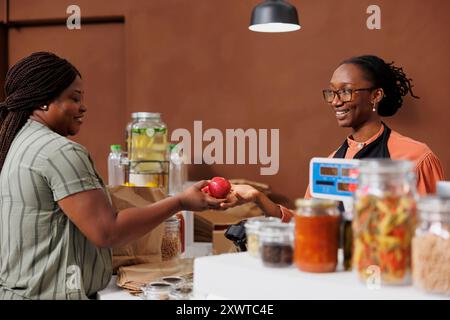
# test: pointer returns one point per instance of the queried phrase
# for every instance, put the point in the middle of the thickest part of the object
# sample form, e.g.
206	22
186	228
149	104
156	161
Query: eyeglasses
344	95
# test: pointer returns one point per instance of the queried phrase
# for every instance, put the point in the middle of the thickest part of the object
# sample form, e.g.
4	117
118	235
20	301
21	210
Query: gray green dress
43	255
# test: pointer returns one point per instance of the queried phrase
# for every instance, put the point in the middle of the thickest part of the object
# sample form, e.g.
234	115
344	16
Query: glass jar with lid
431	245
276	244
157	291
148	150
384	220
171	240
317	224
148	137
182	292
173	280
252	228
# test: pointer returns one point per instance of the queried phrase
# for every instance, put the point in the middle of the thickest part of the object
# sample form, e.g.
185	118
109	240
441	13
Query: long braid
32	82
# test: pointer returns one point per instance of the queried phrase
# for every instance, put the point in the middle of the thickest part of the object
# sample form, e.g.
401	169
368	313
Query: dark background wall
196	60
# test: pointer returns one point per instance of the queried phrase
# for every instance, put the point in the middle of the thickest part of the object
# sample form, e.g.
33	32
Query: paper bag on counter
147	248
133	278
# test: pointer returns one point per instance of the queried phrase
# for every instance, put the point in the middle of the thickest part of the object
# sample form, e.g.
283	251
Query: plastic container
384	220
171	241
276	244
317	224
431	246
252	228
157	291
116	173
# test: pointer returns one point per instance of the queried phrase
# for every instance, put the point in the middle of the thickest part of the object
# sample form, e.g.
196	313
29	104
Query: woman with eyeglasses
363	90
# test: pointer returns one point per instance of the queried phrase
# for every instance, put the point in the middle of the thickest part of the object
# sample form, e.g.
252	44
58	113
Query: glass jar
157	291
276	244
173	280
431	246
147	150
171	240
183	292
148	137
252	227
317	224
384	220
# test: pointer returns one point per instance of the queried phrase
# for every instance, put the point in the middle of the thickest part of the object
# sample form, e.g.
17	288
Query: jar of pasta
384	220
317	224
252	228
431	246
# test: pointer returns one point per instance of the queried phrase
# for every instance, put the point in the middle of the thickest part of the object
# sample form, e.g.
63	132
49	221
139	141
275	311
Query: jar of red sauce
317	224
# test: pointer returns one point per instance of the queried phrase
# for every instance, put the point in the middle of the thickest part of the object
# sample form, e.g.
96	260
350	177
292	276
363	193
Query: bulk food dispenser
147	163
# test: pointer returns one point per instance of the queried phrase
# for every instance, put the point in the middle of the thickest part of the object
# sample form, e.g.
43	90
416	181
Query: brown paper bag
146	249
133	278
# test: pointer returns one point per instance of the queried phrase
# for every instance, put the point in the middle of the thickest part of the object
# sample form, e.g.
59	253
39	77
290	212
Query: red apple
219	187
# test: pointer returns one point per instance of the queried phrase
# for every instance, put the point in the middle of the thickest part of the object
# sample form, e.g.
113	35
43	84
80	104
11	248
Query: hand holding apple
218	187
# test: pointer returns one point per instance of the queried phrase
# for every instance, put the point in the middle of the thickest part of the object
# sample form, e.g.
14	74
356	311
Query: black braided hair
34	81
390	78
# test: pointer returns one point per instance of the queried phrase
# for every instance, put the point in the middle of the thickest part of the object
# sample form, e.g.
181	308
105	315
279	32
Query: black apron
376	149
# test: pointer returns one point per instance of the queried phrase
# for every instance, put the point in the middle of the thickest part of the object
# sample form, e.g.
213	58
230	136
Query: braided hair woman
56	221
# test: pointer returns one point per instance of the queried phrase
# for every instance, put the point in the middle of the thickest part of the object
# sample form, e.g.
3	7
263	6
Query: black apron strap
375	149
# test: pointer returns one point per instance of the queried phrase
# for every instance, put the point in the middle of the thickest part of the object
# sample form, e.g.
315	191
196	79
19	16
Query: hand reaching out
239	194
193	199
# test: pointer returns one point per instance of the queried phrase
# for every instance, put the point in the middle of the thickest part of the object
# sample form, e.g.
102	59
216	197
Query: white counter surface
241	276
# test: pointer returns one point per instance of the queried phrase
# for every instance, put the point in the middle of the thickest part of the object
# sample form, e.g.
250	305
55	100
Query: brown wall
198	61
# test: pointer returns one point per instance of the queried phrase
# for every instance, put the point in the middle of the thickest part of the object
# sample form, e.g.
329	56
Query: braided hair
33	82
390	78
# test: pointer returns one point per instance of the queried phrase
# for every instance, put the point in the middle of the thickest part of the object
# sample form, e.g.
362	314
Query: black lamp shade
274	16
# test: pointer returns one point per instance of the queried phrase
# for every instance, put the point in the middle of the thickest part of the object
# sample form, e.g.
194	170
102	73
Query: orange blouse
428	167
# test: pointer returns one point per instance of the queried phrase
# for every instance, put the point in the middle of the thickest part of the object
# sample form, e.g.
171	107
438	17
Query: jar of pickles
317	224
252	228
431	246
384	220
276	241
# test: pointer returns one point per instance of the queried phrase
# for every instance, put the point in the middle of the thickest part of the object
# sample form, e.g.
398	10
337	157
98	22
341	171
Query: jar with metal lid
157	291
384	220
317	225
173	280
182	292
171	241
431	246
276	244
252	228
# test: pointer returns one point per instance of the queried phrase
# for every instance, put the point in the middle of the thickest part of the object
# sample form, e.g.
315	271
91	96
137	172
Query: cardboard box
210	226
